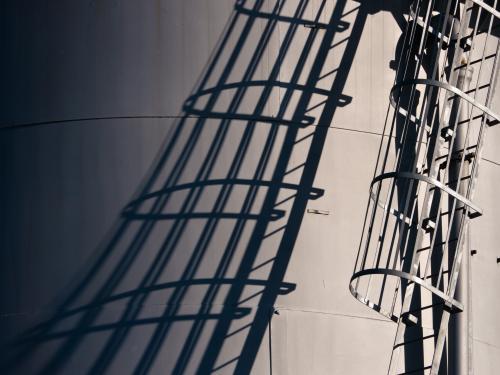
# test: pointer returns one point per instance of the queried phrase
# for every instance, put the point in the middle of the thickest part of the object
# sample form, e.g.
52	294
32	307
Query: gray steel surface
163	164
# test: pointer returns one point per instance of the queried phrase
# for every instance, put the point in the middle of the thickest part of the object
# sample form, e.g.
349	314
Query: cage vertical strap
422	196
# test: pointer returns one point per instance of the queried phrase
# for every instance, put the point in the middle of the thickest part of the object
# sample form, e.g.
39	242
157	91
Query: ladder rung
452	310
495	26
470	119
420	309
475	61
435	274
420	339
458	152
415	371
428	277
470	214
477	88
461	179
436	244
446	213
451	182
456	156
486	85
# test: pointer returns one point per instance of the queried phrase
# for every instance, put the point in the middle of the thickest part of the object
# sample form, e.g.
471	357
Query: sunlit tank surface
183	185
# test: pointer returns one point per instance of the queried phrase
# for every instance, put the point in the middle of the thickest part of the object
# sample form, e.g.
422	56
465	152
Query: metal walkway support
421	196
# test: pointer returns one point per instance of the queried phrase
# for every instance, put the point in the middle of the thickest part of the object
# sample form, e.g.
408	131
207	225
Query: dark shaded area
225	293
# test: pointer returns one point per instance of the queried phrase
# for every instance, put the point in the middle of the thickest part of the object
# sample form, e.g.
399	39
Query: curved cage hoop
422	196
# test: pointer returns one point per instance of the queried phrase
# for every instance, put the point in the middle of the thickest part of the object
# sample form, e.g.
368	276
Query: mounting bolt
447	133
473	252
498	259
410	319
428	225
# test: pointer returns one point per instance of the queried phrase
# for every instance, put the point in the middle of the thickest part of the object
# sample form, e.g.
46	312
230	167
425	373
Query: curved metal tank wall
183	185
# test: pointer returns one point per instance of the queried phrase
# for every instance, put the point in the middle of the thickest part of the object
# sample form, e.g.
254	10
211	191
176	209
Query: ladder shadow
170	245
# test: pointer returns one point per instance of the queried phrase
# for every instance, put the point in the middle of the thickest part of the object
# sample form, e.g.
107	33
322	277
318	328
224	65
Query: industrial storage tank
184	182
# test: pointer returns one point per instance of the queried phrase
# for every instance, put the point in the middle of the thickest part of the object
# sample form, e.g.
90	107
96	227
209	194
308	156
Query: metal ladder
421	196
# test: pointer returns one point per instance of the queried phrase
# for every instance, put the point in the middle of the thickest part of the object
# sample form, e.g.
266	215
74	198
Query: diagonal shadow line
196	254
157	165
249	130
260	322
275	215
197	328
235	312
179	226
170	244
285	289
124	225
315	193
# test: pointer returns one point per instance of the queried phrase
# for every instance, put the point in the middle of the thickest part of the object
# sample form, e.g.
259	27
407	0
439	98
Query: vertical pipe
458	338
